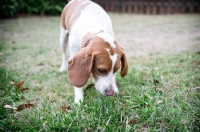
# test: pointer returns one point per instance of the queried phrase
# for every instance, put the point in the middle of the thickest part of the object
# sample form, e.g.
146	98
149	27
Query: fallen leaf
64	108
158	102
19	84
9	107
41	64
69	107
13	82
39	89
23	106
24	89
156	82
132	121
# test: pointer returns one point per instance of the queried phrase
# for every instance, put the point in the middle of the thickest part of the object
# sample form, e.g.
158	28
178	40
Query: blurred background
151	6
10	8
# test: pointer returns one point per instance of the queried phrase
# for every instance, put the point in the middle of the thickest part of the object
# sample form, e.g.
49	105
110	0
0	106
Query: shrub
11	8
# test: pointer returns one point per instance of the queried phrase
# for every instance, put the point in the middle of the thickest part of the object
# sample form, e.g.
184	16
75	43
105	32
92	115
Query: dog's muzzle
109	92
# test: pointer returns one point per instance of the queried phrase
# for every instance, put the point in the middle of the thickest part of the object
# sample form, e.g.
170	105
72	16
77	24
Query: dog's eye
102	71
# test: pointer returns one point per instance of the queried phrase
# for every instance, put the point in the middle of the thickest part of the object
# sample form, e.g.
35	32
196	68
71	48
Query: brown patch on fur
95	57
102	61
71	12
102	57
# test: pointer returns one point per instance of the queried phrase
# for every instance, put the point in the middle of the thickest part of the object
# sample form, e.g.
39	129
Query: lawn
160	93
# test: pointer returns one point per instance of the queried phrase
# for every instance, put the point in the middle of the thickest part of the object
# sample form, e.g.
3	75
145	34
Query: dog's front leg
78	91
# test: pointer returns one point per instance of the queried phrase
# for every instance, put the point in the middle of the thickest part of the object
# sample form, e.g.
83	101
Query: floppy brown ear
124	64
79	67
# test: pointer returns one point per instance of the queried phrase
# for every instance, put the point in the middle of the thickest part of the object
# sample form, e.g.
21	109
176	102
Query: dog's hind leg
63	45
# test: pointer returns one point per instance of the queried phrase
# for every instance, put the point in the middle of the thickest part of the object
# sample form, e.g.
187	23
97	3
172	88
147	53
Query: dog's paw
78	101
62	69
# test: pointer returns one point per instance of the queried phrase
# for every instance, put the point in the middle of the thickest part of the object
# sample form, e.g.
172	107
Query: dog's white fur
92	19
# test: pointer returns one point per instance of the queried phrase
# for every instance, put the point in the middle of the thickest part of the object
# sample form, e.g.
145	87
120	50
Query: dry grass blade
9	107
23	106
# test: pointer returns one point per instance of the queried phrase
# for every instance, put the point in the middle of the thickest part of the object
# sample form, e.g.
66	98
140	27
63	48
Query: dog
87	31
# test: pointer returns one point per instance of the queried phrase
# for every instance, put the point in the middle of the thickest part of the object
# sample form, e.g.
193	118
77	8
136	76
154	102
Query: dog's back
85	14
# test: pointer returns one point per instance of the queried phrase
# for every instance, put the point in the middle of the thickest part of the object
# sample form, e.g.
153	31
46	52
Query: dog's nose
109	92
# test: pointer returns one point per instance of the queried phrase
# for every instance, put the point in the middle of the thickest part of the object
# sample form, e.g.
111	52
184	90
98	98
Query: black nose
109	92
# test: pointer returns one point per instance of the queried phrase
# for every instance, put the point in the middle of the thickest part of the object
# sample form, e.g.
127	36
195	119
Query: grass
160	93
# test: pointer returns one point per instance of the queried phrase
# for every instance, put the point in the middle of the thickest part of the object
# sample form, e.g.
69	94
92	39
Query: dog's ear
124	64
79	67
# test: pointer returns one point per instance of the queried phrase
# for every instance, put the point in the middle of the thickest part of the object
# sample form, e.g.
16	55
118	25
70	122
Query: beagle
87	30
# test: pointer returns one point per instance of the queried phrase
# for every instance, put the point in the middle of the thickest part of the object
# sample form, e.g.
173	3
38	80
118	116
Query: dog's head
102	57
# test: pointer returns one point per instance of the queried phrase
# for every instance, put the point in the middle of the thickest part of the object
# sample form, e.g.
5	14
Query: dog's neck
88	37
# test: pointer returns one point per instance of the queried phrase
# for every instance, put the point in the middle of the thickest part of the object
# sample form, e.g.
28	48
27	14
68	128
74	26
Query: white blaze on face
107	82
107	38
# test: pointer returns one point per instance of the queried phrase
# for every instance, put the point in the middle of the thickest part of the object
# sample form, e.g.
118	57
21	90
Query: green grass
160	93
